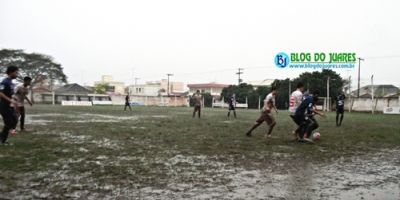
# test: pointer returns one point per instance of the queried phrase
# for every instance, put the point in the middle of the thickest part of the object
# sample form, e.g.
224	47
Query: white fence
367	105
76	103
222	104
391	110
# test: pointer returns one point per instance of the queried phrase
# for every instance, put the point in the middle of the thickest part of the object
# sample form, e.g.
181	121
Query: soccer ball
316	136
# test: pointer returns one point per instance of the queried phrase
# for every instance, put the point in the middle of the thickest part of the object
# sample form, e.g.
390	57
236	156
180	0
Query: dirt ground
162	153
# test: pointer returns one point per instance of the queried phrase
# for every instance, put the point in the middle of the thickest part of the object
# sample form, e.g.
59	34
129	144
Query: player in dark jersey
340	108
304	115
7	112
232	105
127	103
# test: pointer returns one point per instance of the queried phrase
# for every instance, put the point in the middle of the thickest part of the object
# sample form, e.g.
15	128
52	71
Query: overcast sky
202	41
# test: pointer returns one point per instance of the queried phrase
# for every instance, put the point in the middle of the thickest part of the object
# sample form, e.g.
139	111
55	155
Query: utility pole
168	83
359	66
240	71
372	93
327	94
350	104
290	88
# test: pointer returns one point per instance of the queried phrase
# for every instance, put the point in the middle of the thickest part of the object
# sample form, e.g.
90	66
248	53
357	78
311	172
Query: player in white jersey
266	115
271	97
295	100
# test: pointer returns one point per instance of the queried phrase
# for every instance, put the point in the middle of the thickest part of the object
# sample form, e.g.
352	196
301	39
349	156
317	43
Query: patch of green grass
149	136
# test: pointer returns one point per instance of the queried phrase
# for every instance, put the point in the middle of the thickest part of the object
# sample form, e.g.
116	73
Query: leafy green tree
244	91
312	81
100	88
37	66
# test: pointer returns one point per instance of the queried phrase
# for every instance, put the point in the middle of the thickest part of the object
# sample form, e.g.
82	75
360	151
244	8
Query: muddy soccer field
162	153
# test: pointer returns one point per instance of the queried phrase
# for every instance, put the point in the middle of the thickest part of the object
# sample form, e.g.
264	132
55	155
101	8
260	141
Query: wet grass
66	151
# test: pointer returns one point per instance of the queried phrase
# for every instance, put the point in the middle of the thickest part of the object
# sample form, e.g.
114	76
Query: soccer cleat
248	134
306	140
5	144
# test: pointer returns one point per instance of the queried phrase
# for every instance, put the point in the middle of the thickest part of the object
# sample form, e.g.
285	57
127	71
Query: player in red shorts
264	117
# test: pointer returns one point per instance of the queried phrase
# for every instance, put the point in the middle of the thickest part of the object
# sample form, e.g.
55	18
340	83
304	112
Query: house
68	92
114	87
157	88
215	89
379	91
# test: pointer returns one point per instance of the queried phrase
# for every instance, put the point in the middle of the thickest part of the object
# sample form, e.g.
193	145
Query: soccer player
264	117
197	103
127	103
20	96
7	112
232	105
305	116
295	100
271	97
340	108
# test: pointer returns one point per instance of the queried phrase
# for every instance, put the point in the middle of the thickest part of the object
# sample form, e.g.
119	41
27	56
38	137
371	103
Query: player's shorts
197	108
340	109
295	119
266	117
127	104
231	107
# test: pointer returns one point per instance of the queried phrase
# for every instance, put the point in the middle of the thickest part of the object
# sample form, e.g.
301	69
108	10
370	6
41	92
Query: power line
382	57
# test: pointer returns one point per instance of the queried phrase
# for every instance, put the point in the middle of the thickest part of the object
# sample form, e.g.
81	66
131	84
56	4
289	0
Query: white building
215	89
117	86
156	88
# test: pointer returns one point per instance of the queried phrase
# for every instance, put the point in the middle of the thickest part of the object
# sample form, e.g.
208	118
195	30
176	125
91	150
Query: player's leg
302	127
194	111
9	119
271	127
341	116
298	120
22	118
234	113
199	112
255	125
337	117
260	120
229	113
313	124
270	120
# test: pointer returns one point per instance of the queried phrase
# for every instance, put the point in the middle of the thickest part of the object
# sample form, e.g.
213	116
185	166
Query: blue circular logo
281	60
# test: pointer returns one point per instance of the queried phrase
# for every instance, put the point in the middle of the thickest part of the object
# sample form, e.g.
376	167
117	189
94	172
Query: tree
282	97
244	91
100	88
312	81
37	66
318	81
